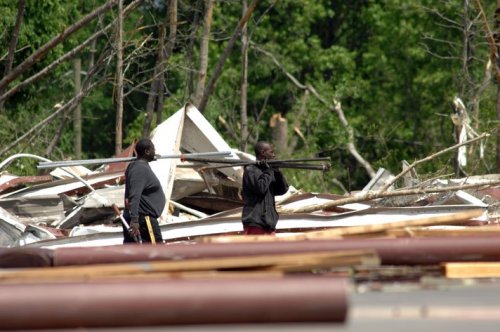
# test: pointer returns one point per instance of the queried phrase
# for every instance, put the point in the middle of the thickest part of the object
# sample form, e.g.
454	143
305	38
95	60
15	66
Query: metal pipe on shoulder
185	156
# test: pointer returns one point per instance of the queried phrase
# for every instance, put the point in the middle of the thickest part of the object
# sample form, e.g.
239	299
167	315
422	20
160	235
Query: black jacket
259	188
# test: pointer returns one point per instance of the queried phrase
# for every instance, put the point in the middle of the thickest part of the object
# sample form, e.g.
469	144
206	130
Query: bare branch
437	154
42	51
336	107
13	43
69	55
15	36
378	194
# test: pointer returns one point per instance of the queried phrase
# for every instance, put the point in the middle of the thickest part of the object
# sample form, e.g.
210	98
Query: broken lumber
472	270
294	262
358	231
428	232
448	219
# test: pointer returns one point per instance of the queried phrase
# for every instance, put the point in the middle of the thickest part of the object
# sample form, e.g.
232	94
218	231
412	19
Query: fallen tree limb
437	154
71	103
42	51
13	42
336	107
67	56
87	87
379	194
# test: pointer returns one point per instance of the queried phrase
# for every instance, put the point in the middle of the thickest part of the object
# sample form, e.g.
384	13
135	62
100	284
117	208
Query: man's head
145	149
264	151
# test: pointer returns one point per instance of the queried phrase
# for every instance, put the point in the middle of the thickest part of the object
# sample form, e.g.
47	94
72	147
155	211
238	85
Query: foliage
395	66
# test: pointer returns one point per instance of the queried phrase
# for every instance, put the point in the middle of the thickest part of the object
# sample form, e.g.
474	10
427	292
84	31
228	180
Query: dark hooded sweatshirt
259	188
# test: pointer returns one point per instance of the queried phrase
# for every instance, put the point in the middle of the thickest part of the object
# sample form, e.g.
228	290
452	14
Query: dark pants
253	230
143	228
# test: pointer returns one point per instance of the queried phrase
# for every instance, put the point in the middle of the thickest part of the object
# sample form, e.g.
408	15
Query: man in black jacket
144	197
261	183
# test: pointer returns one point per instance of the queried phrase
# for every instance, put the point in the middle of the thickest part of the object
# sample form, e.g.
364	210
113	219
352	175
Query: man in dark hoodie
144	197
261	182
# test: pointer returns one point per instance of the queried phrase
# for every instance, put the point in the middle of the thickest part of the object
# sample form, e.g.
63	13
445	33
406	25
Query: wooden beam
428	232
383	229
447	219
472	270
298	262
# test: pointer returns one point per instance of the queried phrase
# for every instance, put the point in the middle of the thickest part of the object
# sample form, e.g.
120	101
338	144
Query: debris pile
61	244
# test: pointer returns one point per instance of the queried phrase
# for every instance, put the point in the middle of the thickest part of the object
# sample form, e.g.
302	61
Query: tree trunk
498	129
295	138
279	134
205	40
13	43
77	116
119	79
57	137
225	55
155	98
152	97
169	49
497	76
42	51
244	85
190	52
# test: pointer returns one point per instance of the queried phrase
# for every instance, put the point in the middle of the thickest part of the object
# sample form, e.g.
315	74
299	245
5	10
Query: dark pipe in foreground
399	251
172	302
25	257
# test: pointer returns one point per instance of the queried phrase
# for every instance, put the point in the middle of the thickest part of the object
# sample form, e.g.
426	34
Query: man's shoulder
137	165
251	168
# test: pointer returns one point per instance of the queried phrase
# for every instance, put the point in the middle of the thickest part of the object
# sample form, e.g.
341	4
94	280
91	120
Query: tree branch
69	55
379	194
42	51
418	162
336	107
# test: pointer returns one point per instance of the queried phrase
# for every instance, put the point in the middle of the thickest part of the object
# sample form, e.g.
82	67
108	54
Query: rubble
60	236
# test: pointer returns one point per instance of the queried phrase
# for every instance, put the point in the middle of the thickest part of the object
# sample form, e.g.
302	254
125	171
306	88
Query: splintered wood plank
287	262
426	232
250	238
449	218
372	230
472	270
184	275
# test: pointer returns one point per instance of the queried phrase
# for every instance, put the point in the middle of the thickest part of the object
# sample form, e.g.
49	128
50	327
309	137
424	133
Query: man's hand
134	229
262	164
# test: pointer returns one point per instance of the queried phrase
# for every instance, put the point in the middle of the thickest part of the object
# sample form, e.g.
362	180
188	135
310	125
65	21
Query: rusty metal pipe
25	257
172	302
399	251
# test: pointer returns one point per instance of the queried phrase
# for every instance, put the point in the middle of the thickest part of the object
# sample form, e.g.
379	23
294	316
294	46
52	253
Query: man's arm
135	185
258	181
280	185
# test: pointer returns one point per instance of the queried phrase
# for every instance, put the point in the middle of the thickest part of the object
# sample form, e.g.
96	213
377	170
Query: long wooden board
289	263
381	229
472	270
